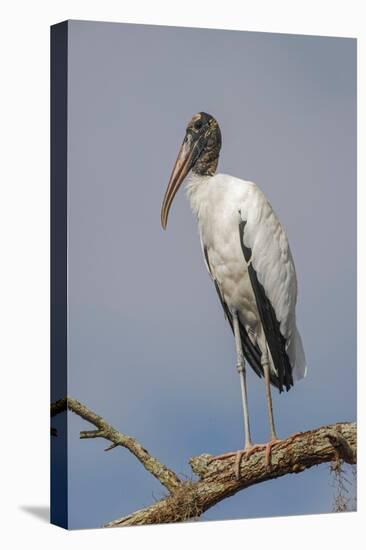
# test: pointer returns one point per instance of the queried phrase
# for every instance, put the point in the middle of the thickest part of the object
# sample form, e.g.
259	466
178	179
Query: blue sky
148	346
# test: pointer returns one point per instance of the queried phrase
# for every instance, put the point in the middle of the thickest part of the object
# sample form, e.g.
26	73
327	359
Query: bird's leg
249	448
265	365
274	439
240	365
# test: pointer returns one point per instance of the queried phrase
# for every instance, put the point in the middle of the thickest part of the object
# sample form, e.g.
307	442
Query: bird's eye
198	124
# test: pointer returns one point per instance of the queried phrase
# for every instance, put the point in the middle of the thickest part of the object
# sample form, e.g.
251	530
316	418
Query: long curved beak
187	156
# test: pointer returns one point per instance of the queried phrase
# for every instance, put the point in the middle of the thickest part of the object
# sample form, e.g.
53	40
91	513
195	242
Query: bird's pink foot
247	452
268	447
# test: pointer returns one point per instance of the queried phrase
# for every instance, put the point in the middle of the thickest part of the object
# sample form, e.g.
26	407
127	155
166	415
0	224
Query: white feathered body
220	203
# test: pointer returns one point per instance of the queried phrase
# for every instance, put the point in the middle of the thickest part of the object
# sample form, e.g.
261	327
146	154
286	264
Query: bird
248	257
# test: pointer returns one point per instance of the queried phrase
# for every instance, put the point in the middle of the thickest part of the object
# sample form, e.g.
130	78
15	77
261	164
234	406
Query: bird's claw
249	450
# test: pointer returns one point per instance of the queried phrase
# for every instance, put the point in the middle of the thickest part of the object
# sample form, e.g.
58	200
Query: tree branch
166	476
218	479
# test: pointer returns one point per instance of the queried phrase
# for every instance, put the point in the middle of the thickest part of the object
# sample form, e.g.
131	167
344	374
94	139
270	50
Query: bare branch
166	476
217	478
91	434
113	446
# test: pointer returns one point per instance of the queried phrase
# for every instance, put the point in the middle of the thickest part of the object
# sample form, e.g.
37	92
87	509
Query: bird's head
199	152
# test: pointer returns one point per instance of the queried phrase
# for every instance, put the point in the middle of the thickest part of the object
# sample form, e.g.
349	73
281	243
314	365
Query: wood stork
247	254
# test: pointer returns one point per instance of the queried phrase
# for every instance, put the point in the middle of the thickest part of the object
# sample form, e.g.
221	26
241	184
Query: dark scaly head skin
199	152
206	125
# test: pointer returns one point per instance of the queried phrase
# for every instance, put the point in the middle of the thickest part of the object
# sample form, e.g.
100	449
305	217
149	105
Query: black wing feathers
275	339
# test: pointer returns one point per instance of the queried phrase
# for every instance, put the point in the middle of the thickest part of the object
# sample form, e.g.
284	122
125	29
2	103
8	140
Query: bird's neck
197	189
206	164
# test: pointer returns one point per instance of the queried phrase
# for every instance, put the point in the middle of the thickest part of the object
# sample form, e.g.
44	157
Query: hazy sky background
149	348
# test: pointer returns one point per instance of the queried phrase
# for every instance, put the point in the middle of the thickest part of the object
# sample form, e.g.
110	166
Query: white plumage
220	202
